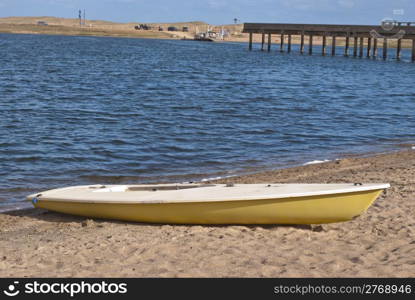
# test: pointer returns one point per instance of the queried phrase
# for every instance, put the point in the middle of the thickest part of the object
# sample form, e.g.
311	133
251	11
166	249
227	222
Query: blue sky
219	11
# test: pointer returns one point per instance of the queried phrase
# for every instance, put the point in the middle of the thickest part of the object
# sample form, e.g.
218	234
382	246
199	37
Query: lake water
86	110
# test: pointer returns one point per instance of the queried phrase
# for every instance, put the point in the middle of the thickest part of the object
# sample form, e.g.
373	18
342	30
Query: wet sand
379	243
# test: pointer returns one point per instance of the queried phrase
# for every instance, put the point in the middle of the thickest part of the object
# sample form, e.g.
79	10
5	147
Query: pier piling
359	33
398	49
250	41
369	46
333	45
413	50
346	47
323	47
375	48
310	46
302	43
355	46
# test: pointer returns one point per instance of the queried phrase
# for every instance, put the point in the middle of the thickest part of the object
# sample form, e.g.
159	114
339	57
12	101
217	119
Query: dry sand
63	26
379	243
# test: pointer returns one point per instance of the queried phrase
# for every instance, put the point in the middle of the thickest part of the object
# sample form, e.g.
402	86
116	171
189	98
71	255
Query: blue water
86	110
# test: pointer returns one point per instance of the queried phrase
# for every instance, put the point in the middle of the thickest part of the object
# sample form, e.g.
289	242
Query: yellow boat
214	203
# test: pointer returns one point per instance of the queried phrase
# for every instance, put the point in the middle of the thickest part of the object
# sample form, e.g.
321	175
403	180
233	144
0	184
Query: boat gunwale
353	189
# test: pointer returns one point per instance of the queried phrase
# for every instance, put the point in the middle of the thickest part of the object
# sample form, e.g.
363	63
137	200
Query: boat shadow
55	217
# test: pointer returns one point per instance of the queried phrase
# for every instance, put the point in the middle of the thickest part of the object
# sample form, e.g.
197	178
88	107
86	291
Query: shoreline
379	243
155	36
100	28
221	178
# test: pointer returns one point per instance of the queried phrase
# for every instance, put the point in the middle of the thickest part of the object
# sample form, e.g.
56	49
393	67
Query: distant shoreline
71	27
69	31
149	35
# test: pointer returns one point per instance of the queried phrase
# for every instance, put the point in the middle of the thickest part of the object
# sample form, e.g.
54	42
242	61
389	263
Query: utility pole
80	18
84	18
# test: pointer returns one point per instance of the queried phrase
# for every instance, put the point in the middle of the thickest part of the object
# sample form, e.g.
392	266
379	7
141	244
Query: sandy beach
379	243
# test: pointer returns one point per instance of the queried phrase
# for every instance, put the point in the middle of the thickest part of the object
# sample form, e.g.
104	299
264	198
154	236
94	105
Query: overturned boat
214	203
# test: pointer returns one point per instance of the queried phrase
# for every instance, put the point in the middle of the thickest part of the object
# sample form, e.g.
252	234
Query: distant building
185	29
212	34
171	28
42	23
142	27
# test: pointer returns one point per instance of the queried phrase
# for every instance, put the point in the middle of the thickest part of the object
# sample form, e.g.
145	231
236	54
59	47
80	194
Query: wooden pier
356	33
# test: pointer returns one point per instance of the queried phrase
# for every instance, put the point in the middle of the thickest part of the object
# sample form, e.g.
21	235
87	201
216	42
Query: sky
219	11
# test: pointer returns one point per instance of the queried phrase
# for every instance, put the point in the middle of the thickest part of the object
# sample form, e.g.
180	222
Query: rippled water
82	110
